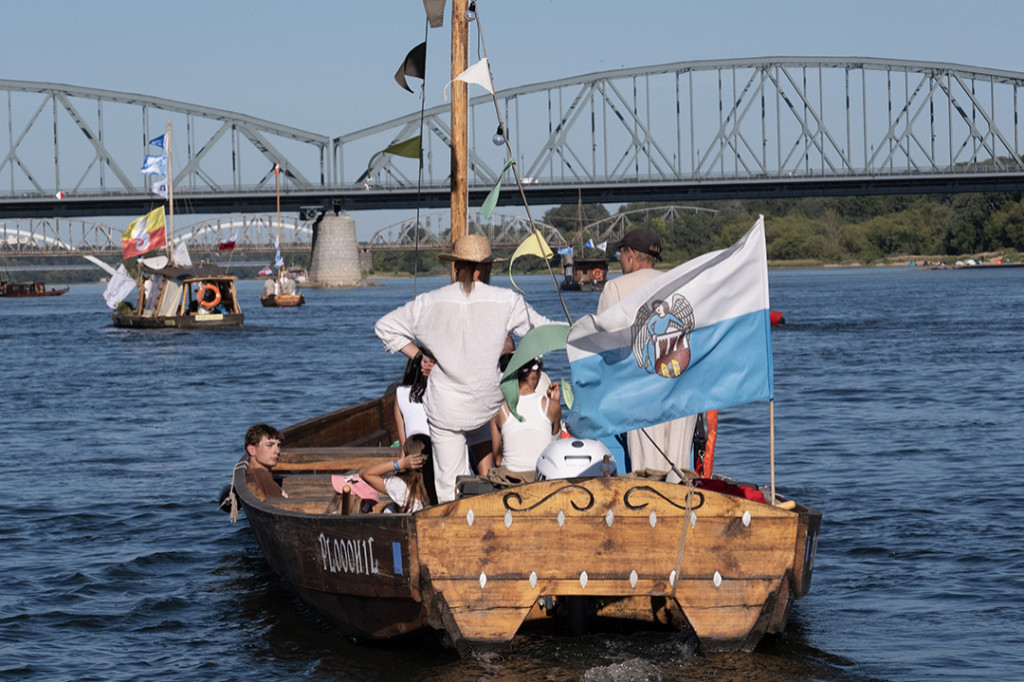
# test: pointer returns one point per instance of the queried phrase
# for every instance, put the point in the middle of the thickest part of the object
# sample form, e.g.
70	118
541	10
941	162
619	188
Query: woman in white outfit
465	324
519	442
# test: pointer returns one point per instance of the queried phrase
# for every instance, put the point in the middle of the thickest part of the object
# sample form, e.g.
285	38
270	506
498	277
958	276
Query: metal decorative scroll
507	500
647	488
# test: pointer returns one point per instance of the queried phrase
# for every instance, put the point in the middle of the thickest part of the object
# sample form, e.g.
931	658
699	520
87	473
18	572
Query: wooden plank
329	460
291	456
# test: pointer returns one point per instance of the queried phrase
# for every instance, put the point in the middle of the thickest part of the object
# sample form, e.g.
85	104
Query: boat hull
570	553
28	291
213	321
282	300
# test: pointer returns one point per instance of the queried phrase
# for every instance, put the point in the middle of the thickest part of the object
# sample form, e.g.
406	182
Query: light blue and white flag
159	141
565	251
154	164
589	243
159	187
696	338
278	261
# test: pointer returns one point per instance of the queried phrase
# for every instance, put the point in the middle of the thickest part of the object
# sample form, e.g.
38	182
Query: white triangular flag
118	288
181	257
479	73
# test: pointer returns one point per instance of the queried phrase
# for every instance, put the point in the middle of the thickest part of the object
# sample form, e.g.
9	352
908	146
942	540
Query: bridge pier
335	258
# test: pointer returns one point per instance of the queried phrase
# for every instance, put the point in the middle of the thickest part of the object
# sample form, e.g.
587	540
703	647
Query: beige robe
675	438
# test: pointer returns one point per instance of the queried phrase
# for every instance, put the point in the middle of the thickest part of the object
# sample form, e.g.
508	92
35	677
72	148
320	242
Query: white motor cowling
575	458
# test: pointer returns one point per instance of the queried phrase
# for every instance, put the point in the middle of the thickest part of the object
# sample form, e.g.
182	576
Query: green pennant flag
539	340
492	197
410	149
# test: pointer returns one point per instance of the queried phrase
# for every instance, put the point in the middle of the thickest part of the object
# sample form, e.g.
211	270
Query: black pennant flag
414	66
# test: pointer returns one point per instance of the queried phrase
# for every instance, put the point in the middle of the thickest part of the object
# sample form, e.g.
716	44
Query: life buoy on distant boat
597	273
202	295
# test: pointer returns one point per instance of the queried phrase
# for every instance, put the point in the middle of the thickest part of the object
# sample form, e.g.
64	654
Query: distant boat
182	296
29	289
193	297
583	274
281	297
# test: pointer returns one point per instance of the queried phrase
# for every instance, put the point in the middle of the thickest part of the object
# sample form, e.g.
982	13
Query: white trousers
451	459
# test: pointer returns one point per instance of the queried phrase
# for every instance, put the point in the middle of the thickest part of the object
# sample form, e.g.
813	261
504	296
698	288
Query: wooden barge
570	552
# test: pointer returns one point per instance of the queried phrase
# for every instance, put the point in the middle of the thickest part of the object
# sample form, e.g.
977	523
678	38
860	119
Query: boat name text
348	556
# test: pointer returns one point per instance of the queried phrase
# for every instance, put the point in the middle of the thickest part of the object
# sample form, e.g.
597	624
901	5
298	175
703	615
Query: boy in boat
263	443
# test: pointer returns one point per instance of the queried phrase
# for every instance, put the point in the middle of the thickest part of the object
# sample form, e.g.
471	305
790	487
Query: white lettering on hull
348	556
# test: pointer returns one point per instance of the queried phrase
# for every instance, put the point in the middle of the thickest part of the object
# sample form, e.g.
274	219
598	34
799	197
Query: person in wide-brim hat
467	326
471	248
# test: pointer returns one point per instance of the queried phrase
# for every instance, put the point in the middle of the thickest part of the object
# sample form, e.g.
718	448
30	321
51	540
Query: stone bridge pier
335	260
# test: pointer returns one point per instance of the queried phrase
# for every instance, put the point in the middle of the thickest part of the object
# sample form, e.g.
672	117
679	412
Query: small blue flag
159	141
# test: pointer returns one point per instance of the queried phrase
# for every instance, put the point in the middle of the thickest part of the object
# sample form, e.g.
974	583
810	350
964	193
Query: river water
898	414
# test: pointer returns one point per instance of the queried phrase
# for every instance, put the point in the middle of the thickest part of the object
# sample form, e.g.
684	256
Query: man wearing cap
465	325
639	250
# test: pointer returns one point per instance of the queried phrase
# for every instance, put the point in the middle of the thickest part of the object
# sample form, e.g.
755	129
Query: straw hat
473	248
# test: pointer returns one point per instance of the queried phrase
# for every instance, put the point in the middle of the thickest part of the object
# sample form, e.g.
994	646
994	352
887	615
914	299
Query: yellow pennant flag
534	245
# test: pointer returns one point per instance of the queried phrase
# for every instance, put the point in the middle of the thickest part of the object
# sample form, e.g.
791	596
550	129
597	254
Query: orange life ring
597	273
202	295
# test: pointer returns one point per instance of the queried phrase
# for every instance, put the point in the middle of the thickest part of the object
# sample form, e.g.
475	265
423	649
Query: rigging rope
515	169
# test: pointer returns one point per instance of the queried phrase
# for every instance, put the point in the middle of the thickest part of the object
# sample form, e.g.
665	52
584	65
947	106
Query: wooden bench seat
338	459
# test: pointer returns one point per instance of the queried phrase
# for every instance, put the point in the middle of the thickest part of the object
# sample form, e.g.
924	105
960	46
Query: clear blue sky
328	65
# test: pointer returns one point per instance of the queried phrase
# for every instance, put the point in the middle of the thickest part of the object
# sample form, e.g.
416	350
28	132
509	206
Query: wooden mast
170	197
460	132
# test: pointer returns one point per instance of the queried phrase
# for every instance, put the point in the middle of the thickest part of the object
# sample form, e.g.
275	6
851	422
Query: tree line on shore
862	230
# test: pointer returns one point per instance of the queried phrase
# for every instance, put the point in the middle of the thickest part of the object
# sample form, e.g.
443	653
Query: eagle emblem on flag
661	336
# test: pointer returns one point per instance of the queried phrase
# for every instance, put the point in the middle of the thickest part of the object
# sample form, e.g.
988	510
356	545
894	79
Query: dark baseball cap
642	240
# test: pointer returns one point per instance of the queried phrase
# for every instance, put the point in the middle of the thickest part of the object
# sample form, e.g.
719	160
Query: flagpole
771	432
170	197
277	181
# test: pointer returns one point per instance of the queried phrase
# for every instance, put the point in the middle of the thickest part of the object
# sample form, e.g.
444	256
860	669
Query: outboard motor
575	458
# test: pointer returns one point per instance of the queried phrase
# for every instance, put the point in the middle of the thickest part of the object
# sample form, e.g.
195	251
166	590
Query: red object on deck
777	317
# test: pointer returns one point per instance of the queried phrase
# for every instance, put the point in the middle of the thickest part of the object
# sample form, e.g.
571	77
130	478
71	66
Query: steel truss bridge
52	237
687	131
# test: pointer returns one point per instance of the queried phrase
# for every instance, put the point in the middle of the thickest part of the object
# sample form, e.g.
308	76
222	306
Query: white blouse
466	334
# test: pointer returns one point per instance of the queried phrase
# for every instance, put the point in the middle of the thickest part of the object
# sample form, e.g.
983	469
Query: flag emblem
661	336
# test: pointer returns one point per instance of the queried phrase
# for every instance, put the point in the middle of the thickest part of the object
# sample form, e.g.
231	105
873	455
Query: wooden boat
184	296
568	552
584	274
194	297
29	289
564	552
283	299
